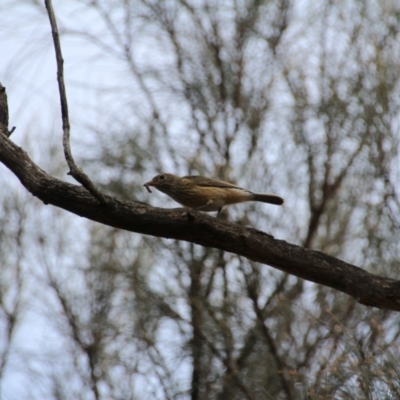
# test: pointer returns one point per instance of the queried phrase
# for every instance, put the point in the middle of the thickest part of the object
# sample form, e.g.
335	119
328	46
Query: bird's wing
208	182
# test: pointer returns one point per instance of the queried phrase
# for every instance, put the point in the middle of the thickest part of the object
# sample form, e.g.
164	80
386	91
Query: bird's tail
268	198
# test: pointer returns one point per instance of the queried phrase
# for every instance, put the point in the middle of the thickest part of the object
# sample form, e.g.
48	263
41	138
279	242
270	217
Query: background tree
299	100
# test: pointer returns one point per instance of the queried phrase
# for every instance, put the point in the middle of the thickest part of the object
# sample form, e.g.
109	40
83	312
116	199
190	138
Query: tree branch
75	171
199	228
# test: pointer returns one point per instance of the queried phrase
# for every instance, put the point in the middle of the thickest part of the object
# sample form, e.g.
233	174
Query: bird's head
161	181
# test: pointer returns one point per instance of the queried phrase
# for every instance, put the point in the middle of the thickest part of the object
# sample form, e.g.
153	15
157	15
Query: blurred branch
75	171
91	350
196	227
329	190
251	285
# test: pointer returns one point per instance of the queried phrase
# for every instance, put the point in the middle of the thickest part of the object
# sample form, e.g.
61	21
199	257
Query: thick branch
204	230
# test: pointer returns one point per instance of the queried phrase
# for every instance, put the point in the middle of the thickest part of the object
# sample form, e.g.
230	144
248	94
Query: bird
206	194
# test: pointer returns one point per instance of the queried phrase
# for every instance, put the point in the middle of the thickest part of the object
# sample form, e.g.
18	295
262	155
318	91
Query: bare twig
75	171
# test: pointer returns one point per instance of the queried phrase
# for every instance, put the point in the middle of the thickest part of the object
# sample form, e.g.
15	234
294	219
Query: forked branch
75	171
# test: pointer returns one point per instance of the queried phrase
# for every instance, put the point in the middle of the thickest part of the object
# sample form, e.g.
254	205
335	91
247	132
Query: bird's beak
147	184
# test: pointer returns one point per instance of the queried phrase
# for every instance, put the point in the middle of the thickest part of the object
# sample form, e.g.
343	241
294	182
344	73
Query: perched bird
206	194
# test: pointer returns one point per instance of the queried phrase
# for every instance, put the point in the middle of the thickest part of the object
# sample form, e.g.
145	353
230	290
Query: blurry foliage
295	98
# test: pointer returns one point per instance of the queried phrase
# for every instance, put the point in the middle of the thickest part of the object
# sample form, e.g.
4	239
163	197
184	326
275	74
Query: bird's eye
162	176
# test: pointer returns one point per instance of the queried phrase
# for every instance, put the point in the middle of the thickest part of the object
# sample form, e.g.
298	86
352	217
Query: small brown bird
206	194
